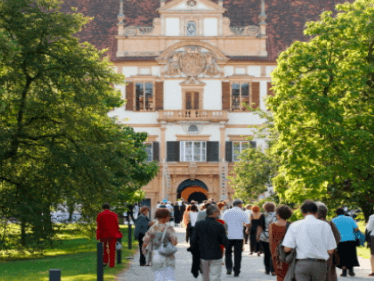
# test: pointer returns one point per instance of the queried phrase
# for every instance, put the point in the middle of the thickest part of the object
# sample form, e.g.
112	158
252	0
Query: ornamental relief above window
192	62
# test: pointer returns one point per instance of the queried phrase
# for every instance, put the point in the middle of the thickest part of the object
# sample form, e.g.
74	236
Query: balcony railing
192	115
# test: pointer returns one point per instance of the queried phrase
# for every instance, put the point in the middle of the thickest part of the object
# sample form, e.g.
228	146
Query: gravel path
252	267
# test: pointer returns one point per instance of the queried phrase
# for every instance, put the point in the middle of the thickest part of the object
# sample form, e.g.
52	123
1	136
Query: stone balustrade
192	115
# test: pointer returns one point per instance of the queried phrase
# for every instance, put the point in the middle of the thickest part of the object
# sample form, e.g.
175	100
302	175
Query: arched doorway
192	190
197	196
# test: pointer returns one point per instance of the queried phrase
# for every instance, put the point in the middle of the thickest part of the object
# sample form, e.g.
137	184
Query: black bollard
119	252
54	275
100	264
130	234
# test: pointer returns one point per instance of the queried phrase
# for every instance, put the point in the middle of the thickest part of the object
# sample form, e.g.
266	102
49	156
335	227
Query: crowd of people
307	249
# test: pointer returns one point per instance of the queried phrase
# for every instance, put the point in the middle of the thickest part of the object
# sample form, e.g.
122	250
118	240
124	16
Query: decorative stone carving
189	127
192	62
191	3
250	30
146	29
211	67
131	31
192	168
138	30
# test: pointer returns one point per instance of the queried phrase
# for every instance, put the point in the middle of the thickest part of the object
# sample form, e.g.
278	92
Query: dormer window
191	29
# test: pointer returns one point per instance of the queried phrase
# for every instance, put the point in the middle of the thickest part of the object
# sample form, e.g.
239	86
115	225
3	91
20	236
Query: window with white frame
238	147
239	95
149	150
144	96
193	151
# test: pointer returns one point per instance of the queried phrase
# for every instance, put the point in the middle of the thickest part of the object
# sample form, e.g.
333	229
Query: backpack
280	254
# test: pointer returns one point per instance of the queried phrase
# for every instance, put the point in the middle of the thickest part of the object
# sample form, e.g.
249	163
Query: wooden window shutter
159	90
229	151
226	95
255	94
253	144
270	92
156	151
172	151
212	151
196	100
130	96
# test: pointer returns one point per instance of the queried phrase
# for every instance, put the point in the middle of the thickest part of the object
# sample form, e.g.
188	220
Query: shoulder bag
166	248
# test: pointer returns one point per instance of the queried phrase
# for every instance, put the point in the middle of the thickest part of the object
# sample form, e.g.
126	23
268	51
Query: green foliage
323	111
57	143
252	173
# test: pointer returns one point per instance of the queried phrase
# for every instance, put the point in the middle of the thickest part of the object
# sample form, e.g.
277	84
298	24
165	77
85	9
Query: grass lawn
74	255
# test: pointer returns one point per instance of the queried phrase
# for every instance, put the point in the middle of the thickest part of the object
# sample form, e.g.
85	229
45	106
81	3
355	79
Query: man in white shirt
370	230
313	240
235	218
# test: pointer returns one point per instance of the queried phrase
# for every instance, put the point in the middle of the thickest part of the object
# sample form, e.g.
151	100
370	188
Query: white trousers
166	274
212	270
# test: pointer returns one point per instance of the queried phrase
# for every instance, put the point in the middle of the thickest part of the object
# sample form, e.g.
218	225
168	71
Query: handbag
118	246
166	248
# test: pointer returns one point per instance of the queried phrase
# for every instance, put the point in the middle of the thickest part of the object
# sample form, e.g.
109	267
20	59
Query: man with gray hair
207	237
235	218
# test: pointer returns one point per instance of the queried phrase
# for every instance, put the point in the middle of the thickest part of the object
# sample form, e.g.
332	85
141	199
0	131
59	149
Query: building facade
189	67
189	76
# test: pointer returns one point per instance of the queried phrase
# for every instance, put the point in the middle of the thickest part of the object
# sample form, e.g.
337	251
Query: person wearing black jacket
208	235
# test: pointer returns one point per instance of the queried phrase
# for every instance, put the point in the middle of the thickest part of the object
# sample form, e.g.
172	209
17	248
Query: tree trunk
23	232
367	209
71	211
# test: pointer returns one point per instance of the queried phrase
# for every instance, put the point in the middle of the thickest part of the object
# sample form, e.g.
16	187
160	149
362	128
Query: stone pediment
192	61
191	6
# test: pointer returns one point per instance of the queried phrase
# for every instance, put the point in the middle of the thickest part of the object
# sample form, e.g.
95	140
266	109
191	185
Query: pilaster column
162	142
223	142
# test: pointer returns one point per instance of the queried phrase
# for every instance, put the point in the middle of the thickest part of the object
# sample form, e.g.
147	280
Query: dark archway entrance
192	190
197	196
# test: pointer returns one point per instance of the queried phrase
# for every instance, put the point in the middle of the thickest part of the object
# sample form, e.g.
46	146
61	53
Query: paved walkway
252	267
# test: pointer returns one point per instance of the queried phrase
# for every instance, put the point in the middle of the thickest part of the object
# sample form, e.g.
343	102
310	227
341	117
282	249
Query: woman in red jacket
108	232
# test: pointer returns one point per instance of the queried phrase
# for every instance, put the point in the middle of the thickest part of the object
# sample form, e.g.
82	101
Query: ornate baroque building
188	73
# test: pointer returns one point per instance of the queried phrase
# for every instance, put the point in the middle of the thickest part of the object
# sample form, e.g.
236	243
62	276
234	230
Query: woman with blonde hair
255	222
185	216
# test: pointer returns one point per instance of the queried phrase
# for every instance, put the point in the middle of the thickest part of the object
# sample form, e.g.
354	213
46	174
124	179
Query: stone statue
174	67
211	67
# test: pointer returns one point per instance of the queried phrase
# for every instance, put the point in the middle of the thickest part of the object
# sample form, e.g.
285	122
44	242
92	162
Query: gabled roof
285	22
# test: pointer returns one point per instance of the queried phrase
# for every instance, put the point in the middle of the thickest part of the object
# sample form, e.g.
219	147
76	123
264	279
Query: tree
56	141
323	110
252	173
